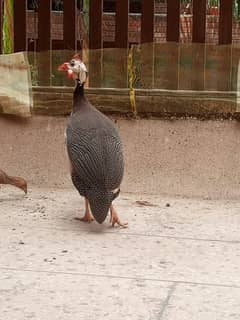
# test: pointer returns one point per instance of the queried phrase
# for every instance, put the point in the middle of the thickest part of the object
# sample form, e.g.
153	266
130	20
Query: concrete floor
178	260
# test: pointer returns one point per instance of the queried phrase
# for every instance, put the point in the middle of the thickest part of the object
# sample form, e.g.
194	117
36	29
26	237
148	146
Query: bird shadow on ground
92	227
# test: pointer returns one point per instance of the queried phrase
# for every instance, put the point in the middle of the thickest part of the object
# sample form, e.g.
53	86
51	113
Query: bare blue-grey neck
79	100
79	90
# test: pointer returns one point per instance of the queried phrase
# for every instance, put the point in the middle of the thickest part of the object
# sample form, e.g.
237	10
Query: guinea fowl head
100	202
20	183
75	69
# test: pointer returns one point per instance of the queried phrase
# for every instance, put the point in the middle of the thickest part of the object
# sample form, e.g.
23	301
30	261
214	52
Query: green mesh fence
169	69
173	67
170	66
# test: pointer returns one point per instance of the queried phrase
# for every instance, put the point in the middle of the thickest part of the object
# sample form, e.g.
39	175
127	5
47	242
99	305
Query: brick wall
57	25
160	27
135	27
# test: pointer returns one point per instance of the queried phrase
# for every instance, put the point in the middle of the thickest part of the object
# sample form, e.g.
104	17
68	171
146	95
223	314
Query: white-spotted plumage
94	149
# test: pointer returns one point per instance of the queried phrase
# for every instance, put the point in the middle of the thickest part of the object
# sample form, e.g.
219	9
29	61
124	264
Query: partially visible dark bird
94	149
14	181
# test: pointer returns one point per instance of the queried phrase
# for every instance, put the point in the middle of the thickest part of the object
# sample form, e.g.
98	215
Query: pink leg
114	218
87	217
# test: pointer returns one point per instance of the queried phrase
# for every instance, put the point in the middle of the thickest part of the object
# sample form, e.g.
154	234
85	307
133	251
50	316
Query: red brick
212	24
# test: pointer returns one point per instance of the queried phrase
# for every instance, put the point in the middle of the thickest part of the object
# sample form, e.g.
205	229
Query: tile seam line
124	234
80	274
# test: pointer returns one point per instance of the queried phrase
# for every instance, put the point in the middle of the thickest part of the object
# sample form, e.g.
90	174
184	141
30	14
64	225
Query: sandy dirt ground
179	259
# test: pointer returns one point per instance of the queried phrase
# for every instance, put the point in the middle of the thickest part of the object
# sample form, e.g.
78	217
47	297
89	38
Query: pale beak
25	189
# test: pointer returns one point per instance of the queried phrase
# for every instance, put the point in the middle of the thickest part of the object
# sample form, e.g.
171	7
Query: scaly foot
115	220
86	218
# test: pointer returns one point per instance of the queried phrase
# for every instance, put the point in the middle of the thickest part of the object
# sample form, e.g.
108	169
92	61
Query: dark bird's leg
87	216
114	218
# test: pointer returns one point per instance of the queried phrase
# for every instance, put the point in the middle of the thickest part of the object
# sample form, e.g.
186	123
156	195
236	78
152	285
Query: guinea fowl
95	151
14	181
